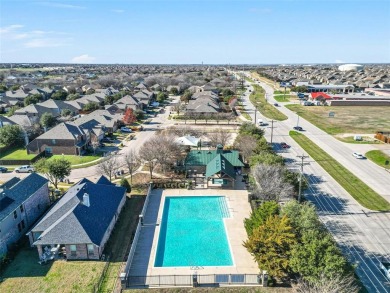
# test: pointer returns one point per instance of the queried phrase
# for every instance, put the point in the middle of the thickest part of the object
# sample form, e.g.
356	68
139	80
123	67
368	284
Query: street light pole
298	119
302	163
272	130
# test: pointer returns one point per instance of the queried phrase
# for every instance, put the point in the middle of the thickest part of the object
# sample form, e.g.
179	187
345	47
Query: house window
21	208
90	249
15	214
73	249
22	223
39	207
19	228
53	141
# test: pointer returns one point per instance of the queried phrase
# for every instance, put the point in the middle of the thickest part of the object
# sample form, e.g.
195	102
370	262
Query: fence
137	232
96	287
194	280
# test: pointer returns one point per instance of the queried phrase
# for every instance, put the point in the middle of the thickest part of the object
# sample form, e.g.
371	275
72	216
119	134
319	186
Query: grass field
284	98
258	99
366	140
75	160
352	184
24	274
379	158
120	240
352	119
16	154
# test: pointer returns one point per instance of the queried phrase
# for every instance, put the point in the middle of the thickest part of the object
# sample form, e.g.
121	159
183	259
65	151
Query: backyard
352	119
16	154
75	160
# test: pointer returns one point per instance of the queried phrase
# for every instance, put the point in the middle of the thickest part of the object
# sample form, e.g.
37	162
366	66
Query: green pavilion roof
220	164
203	157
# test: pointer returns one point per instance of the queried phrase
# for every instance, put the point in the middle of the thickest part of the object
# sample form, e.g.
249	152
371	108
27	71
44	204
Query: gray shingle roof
71	222
65	130
16	192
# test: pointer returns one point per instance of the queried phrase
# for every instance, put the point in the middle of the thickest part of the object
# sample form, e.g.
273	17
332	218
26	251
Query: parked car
358	156
298	128
284	145
3	170
25	169
125	129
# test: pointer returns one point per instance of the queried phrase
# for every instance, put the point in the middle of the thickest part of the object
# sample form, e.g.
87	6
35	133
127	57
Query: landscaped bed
352	184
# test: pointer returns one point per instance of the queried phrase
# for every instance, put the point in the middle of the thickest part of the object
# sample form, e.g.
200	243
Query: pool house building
213	168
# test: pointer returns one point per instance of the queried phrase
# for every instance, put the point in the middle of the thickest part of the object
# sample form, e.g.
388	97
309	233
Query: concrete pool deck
144	257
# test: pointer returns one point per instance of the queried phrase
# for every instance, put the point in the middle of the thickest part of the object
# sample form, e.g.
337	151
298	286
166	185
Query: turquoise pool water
192	232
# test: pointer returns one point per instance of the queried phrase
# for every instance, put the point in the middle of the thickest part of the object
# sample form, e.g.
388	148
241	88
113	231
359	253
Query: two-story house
22	202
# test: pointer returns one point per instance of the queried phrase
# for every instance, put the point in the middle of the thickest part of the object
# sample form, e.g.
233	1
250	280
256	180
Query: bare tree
182	131
132	162
246	144
336	284
219	136
270	183
149	153
94	143
108	166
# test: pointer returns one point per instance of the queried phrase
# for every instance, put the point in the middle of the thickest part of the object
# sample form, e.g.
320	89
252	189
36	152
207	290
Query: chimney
219	149
86	199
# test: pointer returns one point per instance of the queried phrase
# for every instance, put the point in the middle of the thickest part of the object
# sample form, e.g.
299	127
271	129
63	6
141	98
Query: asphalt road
363	235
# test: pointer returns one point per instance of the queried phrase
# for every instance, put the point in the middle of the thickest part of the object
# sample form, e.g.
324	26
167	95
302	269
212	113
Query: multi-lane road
363	235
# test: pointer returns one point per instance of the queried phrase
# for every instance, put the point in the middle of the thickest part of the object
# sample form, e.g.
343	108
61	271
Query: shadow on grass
25	264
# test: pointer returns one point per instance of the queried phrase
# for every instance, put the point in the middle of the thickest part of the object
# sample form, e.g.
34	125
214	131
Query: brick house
22	202
66	138
79	225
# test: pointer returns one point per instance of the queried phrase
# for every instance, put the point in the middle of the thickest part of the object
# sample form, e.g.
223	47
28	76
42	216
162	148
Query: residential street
364	236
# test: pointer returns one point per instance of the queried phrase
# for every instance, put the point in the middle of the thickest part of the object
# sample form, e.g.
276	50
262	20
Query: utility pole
298	119
272	130
255	114
302	163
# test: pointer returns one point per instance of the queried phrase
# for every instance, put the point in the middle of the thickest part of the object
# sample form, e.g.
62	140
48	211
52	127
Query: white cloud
61	5
260	10
46	43
117	10
10	28
339	61
83	59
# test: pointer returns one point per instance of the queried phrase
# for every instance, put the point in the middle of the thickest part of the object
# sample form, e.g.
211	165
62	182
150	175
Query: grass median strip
257	98
379	158
367	197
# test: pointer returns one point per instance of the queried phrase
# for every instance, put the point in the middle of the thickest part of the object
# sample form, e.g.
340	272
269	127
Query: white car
25	169
358	156
125	129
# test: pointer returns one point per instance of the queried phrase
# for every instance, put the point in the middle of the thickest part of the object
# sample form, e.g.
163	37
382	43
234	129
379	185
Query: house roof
15	191
65	130
203	157
320	95
220	165
103	180
70	221
188	140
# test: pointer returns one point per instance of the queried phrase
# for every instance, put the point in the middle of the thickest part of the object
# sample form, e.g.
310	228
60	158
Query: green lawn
284	98
24	274
281	92
379	158
352	184
347	119
366	140
120	240
258	99
16	154
76	160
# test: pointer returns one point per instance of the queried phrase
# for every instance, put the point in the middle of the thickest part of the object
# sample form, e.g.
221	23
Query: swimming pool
192	232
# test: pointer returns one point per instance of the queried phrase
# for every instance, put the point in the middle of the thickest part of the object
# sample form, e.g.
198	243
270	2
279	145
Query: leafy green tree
66	112
260	215
266	158
11	135
15	87
139	114
59	95
262	146
90	106
47	120
174	91
250	128
227	92
12	110
186	97
72	97
90	91
54	169
317	254
161	97
124	183
32	99
270	244
293	179
3	88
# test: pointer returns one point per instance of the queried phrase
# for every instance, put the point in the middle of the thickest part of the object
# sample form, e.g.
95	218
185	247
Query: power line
302	163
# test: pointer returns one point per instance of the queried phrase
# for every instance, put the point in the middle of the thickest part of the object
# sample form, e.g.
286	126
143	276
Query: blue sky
180	32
